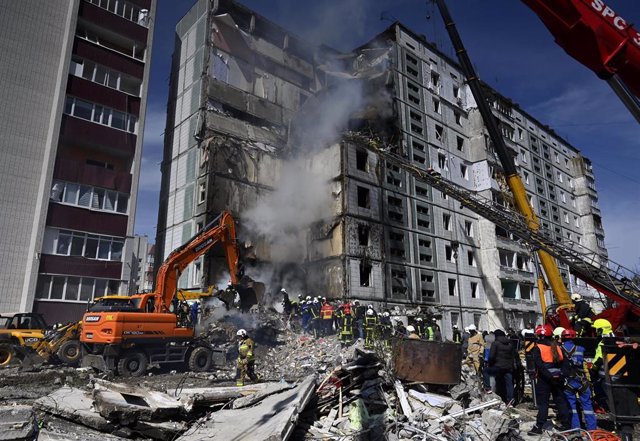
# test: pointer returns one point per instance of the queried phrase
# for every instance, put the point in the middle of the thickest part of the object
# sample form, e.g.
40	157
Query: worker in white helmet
411	331
246	361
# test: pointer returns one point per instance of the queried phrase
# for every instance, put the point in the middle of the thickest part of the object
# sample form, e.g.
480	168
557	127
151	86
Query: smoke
303	195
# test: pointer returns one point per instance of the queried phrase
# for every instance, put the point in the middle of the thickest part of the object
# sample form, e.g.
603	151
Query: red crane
599	38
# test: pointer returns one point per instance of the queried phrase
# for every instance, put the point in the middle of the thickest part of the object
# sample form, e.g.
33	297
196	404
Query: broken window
363	234
457	117
415	116
439	133
424	243
456	91
460	143
411	60
509	289
202	192
474	290
442	161
422	191
398	282
365	273
453	287
449	254
424	224
468	228
446	221
436	105
396	202
471	258
425	258
362	160
417	145
220	68
363	197
435	81
525	292
464	171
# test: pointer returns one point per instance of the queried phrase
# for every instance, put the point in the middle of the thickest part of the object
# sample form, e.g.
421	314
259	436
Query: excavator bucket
244	296
28	358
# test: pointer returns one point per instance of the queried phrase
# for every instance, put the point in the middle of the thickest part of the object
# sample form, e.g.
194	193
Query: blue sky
510	48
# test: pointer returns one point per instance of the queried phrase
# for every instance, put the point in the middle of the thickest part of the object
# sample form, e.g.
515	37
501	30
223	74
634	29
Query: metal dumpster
427	361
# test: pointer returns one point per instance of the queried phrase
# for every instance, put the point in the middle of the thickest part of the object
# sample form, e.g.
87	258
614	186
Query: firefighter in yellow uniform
246	361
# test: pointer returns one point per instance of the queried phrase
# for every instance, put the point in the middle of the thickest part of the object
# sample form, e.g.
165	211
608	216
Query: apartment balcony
79	132
73	170
96	93
109	58
113	22
84	219
80	266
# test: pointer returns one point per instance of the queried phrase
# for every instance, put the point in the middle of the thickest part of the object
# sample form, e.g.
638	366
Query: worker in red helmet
550	365
577	388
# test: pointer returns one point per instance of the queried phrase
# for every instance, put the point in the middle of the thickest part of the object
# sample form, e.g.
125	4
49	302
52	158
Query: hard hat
544	330
411	329
356	302
471	328
386	314
557	333
575	297
455	326
588	320
283	290
370	312
419	319
308	297
229	284
525	332
299	296
568	334
602	326
315	301
241	333
433	319
369	306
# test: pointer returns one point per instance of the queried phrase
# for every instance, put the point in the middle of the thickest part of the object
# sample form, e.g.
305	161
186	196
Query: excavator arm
223	230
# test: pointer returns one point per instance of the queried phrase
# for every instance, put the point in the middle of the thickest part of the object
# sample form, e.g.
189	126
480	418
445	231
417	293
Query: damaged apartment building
239	86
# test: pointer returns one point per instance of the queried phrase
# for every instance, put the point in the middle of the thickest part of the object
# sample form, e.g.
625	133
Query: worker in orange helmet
550	365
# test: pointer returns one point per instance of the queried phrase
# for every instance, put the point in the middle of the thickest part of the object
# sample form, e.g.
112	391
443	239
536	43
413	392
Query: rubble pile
310	388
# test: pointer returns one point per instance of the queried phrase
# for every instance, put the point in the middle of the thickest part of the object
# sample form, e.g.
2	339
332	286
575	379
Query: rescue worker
184	319
400	329
386	328
500	364
549	363
326	315
370	328
475	350
315	318
437	333
420	327
429	332
246	360
358	318
305	312
411	333
346	325
194	310
582	311
577	387
457	335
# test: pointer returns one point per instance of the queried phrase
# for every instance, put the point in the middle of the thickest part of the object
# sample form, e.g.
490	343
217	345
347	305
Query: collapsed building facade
248	98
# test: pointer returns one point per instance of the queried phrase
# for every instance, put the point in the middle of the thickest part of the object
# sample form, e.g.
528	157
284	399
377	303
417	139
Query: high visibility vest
547	358
326	312
370	321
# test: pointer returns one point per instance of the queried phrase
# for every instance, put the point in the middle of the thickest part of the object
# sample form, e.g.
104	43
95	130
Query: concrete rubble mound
309	388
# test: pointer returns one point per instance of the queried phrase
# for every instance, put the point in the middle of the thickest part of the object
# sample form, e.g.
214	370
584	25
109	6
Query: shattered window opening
363	235
365	274
362	157
363	197
471	258
453	287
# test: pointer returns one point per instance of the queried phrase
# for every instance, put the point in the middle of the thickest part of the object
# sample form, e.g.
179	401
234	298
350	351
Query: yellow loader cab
21	329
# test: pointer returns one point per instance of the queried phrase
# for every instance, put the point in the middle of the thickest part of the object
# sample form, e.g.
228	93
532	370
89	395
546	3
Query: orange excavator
144	329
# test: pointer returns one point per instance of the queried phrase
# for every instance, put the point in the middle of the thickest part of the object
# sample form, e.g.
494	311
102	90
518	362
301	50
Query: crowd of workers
555	361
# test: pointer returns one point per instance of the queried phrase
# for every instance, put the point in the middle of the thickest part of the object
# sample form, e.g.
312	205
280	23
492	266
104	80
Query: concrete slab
75	405
273	419
17	423
249	400
128	404
205	396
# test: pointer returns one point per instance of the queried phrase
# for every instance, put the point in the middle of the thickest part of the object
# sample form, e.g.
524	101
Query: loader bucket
6	354
28	358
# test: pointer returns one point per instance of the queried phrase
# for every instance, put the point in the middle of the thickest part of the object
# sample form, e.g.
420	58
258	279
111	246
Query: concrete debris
127	404
274	418
76	405
17	423
314	388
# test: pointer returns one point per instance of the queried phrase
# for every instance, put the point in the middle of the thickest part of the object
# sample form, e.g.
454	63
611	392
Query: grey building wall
35	48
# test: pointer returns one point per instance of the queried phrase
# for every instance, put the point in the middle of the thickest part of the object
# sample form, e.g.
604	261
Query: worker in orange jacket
326	315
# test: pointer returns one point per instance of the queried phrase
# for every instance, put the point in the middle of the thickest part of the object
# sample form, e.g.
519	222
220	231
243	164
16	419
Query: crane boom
596	36
514	181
